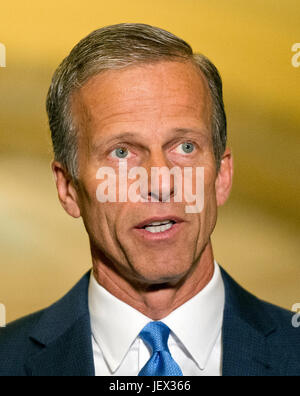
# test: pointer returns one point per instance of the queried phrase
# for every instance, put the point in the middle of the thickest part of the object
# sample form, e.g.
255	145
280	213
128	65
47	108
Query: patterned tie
161	363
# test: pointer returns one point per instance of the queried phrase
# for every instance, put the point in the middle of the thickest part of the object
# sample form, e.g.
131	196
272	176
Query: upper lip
150	220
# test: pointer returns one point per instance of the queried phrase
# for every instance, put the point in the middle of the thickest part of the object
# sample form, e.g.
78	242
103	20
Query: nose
160	182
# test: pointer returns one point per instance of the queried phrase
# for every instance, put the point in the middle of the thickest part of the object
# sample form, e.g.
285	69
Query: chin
154	269
162	277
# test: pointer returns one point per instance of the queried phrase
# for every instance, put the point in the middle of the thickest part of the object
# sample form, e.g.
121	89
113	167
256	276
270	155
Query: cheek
92	211
209	213
210	180
204	185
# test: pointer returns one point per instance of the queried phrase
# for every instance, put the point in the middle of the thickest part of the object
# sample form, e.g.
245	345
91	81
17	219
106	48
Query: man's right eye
120	153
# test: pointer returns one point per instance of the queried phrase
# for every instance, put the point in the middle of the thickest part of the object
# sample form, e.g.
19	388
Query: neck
156	302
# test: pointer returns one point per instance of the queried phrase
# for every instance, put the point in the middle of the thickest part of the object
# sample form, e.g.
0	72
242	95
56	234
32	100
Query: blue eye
185	148
120	153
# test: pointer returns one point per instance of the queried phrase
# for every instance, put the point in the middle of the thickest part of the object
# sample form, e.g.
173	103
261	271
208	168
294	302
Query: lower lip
159	236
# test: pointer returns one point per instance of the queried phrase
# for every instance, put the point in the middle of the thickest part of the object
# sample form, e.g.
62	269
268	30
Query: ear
224	179
66	191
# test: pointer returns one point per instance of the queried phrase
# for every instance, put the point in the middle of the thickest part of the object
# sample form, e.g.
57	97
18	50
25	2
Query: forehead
148	95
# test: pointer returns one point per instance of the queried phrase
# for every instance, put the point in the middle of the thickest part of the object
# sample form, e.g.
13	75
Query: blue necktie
161	363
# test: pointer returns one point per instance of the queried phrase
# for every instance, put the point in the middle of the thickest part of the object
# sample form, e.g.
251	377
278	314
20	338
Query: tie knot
156	334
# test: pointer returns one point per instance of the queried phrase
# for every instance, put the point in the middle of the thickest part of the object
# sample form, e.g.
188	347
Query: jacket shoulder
15	344
260	324
288	327
27	337
259	313
284	341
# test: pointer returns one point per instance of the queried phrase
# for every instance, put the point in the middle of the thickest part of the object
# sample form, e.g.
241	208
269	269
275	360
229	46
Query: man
156	301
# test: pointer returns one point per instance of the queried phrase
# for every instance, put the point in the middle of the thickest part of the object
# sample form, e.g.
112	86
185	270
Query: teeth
161	228
159	223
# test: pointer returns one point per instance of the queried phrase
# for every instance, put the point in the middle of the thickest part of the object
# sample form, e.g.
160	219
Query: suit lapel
246	331
62	337
245	352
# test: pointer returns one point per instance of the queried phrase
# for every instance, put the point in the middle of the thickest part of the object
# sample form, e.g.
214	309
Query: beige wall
43	252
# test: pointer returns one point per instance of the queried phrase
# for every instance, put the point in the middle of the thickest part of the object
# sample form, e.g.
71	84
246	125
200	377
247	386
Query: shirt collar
115	324
197	323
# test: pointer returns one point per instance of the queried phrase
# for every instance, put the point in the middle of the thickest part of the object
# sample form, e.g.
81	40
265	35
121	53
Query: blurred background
43	252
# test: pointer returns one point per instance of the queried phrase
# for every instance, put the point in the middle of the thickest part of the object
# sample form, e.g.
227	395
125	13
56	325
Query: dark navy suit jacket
258	338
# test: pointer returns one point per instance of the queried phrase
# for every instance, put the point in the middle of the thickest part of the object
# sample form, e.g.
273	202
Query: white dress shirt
195	340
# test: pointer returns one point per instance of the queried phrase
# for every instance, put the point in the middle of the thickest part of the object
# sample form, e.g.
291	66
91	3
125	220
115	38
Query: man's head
138	93
112	48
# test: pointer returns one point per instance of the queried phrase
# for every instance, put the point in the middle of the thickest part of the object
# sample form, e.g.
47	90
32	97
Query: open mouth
159	226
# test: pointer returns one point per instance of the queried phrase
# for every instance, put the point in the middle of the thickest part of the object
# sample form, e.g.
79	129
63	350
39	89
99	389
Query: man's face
150	115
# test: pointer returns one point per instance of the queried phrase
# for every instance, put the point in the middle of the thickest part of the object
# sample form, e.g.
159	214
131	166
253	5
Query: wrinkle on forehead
138	93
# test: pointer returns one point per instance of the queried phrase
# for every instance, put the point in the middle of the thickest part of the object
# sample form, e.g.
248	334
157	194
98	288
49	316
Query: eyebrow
112	140
202	131
192	131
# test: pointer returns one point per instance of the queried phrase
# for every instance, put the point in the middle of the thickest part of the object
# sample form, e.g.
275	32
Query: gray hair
115	47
